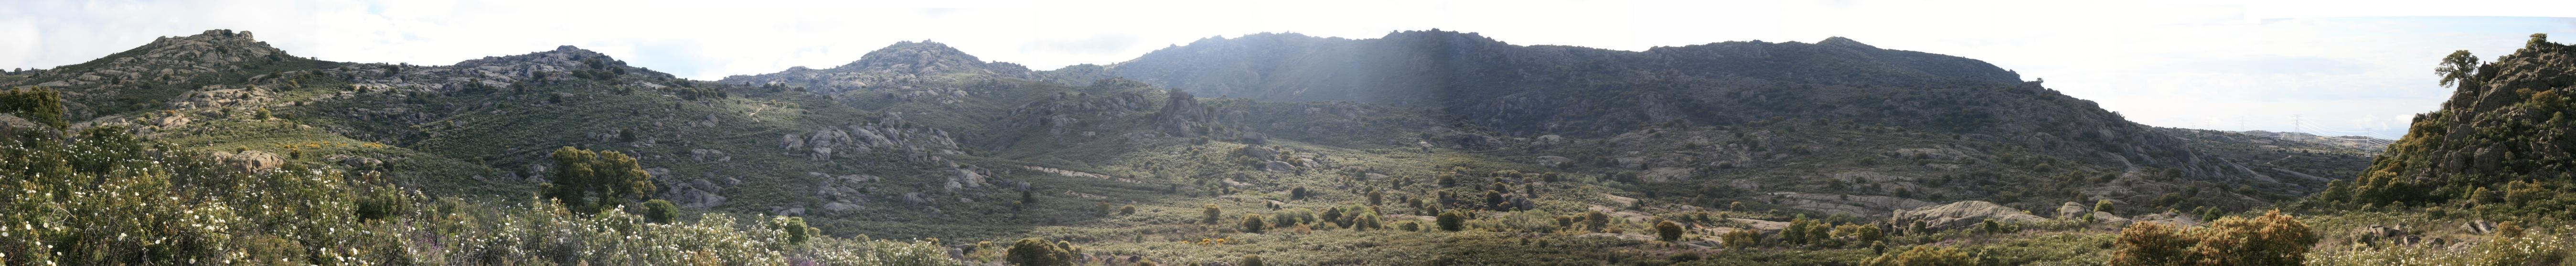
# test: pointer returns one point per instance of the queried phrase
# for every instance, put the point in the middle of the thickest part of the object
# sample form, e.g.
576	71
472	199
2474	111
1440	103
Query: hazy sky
2231	65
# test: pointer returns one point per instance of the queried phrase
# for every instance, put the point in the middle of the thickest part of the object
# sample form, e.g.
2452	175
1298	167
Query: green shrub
795	228
1252	223
384	203
1212	213
1452	221
1924	256
1596	221
1740	238
1252	260
660	211
1037	252
1669	231
2271	239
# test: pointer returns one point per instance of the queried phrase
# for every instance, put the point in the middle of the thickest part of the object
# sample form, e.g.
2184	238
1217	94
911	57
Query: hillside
1298	149
1580	93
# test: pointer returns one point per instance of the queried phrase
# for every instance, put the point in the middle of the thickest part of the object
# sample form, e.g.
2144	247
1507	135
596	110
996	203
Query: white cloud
2186	64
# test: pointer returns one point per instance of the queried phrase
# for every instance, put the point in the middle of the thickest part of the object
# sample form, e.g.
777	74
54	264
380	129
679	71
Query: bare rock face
791	143
709	155
1182	116
2071	210
967	178
915	199
1553	161
842	193
174	121
1963	214
1547	140
362	162
251	161
12	122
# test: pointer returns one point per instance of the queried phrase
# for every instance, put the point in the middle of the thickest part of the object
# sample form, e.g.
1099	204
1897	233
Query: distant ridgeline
2501	143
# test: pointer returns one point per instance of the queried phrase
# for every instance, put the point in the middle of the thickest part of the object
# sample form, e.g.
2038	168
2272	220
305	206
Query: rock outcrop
251	161
1963	214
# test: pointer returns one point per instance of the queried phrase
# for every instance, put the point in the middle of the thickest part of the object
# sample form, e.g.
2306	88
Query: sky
2327	67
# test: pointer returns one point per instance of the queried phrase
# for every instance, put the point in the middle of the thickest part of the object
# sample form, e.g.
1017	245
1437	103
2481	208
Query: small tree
1669	231
2458	69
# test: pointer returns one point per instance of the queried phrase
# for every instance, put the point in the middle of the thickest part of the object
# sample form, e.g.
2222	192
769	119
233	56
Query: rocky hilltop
2504	129
904	65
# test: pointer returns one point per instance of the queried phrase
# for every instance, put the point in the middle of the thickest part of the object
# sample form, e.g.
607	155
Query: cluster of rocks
916	143
842	193
1964	214
219	96
1275	160
699	193
251	160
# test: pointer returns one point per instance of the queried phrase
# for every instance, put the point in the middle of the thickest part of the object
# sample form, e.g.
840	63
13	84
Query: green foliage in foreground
107	199
2272	239
44	106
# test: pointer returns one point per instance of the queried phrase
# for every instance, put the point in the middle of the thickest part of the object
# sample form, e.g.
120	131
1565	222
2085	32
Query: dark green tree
37	104
589	181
